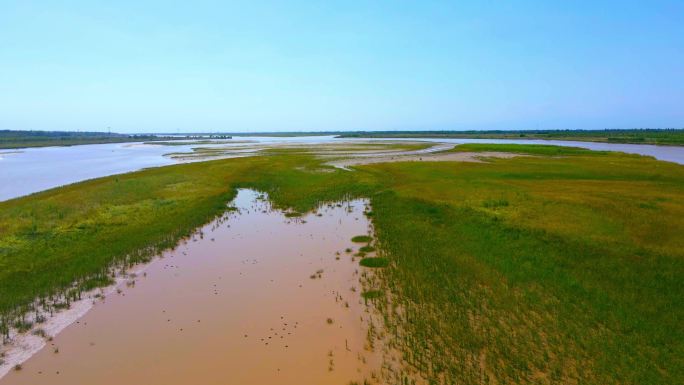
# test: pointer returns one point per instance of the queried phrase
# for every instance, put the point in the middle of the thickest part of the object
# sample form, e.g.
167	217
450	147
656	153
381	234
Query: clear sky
166	66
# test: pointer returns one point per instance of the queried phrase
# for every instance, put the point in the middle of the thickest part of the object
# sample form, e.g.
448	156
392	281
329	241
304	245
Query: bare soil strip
426	157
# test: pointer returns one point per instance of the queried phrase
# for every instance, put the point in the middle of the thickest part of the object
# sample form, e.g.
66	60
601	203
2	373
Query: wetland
539	264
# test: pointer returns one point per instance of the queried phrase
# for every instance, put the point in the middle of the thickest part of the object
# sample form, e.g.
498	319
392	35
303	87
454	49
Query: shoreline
23	346
475	157
354	354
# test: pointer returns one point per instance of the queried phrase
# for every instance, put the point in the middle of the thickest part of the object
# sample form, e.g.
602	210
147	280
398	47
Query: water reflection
31	170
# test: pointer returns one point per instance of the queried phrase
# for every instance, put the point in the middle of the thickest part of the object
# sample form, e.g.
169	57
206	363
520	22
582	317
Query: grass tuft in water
367	249
372	294
361	239
374	262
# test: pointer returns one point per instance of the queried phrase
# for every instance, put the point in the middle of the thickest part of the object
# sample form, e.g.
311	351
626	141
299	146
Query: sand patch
347	163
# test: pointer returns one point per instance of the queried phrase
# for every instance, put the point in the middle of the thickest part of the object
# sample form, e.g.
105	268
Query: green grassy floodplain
664	136
536	269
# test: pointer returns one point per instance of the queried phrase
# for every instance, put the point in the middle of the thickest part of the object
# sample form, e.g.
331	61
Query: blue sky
166	66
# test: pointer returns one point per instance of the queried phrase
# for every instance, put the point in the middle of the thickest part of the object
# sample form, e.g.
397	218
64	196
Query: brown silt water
254	298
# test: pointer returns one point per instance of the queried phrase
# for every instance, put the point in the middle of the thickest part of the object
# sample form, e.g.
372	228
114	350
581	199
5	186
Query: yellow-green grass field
670	136
562	266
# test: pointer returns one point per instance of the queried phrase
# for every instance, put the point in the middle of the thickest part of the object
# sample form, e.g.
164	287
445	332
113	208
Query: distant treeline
661	136
664	136
20	139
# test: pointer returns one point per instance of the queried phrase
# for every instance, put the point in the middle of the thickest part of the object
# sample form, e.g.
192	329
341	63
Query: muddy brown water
234	306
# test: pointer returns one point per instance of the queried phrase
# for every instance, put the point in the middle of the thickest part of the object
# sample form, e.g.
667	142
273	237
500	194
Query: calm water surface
26	171
31	170
233	306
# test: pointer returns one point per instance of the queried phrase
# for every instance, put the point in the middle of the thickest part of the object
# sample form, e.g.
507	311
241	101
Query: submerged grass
374	262
367	249
527	270
372	294
361	239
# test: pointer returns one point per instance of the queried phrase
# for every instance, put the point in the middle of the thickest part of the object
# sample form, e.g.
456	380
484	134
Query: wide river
26	171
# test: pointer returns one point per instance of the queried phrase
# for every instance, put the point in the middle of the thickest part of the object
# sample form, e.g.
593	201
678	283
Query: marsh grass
530	149
372	294
361	239
495	203
572	280
22	326
374	262
51	243
367	249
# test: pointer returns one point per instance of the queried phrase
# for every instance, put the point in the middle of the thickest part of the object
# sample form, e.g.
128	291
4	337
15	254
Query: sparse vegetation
22	325
529	149
318	274
372	294
367	249
374	262
361	239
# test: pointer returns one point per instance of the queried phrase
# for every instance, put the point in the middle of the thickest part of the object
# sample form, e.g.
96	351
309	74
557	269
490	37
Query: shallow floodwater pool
253	298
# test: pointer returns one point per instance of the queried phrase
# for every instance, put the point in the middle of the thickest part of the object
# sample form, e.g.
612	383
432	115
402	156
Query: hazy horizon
332	132
340	66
